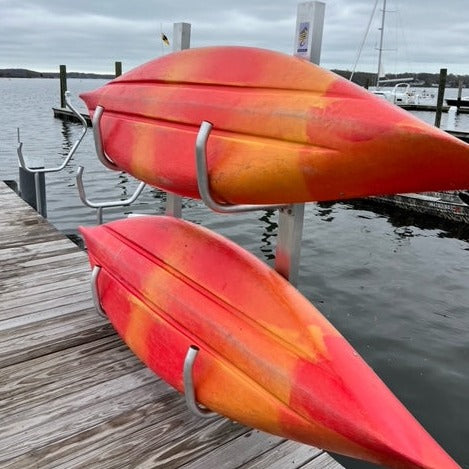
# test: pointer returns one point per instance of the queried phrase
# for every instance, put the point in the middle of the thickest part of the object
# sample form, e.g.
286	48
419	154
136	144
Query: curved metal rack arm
94	291
100	205
19	149
98	141
203	179
189	391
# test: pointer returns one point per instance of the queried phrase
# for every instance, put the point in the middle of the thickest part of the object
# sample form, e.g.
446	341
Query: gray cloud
90	35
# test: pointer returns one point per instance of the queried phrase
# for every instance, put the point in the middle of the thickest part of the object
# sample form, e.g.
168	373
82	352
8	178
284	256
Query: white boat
402	93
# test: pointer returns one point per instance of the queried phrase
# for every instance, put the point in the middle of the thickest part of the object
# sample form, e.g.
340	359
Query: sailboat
401	94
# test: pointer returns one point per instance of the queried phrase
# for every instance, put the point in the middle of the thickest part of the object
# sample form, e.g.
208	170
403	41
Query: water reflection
404	232
325	210
66	138
158	195
67	130
269	231
123	181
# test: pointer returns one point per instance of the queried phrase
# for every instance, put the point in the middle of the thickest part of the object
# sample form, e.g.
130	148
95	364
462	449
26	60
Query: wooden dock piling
118	68
63	85
441	95
460	84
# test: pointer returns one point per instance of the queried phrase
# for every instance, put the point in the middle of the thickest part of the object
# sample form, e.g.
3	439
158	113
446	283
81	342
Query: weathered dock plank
73	395
72	413
169	441
31	264
50	279
323	461
41	298
51	335
41	311
241	450
43	374
287	455
33	251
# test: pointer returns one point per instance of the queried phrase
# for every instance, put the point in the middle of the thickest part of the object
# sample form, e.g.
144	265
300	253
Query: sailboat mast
381	40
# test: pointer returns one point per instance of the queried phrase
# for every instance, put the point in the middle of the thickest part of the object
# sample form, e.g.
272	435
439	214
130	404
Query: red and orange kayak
284	130
267	358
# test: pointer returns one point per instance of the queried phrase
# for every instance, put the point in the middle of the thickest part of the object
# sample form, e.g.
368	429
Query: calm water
395	285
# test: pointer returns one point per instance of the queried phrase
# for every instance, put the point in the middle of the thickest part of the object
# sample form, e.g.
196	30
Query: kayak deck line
66	115
72	391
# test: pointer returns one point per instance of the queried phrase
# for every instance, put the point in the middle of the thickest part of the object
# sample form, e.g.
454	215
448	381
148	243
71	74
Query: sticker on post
303	34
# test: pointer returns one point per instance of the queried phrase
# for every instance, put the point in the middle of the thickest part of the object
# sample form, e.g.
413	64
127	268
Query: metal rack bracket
94	291
189	391
105	159
99	206
203	179
72	151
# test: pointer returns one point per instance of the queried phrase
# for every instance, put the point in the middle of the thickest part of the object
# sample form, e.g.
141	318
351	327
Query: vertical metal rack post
181	40
308	41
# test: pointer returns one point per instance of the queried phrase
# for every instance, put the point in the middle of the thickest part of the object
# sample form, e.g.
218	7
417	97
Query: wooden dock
68	116
422	107
461	135
73	395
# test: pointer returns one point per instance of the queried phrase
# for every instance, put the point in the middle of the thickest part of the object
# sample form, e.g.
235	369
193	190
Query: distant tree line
419	79
361	78
24	73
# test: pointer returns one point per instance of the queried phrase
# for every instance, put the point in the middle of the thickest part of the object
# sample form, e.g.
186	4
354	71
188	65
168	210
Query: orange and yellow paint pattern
267	357
285	130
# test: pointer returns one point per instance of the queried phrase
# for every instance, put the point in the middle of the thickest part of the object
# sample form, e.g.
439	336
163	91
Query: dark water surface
395	285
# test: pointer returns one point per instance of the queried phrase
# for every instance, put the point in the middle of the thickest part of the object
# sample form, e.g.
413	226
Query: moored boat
451	206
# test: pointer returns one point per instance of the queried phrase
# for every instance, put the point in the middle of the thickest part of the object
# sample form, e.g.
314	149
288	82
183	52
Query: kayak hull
284	131
267	358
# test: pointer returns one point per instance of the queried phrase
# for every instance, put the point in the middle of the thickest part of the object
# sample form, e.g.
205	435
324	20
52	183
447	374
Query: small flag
165	39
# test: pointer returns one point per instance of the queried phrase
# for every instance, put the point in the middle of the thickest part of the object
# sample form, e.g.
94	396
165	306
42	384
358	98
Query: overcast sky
89	35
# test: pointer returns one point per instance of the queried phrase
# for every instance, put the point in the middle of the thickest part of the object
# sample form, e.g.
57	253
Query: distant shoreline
24	73
425	80
420	80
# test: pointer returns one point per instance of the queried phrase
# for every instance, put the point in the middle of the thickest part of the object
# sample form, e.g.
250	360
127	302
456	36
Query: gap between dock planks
73	395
